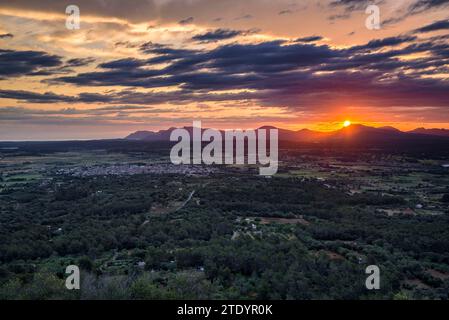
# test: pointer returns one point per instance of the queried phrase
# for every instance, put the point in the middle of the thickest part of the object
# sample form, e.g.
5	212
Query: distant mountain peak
390	128
433	132
353	132
268	127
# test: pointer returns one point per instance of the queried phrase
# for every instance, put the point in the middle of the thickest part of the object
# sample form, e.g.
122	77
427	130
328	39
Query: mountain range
352	132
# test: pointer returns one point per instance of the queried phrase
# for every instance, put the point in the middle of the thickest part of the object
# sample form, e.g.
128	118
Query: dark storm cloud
125	97
309	39
295	74
19	63
386	42
281	73
126	63
266	57
164	53
36	63
79	62
50	97
217	35
424	5
436	26
233	66
6	36
33	97
236	65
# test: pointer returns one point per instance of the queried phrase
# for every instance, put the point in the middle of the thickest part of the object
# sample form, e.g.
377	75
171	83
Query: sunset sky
153	64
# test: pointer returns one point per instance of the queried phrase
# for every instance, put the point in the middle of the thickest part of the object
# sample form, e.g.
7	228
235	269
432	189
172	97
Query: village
131	169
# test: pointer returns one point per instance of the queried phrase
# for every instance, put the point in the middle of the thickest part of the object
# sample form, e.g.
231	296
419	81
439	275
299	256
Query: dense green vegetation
217	246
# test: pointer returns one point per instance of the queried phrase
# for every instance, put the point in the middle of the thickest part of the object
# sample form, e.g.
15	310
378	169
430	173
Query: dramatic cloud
386	42
436	26
126	96
22	113
281	73
36	63
79	62
217	35
233	66
424	5
309	39
20	63
33	97
165	56
6	36
294	75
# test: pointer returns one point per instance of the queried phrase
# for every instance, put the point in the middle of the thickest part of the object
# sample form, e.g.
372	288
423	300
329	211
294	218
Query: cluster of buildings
131	169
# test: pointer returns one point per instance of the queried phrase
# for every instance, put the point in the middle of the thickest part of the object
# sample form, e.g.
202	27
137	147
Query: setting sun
347	123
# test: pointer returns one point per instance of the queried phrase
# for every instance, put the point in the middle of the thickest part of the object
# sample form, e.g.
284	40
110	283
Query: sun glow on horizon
347	123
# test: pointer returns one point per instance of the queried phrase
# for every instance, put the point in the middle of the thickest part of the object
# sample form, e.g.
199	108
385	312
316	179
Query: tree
85	263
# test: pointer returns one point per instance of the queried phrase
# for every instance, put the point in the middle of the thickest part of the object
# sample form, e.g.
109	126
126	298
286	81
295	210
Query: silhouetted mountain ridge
352	132
433	132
